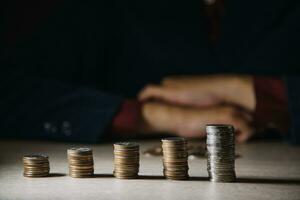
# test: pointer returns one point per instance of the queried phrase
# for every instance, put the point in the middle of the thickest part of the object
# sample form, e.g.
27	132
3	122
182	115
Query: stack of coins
126	160
81	163
36	165
175	158
220	153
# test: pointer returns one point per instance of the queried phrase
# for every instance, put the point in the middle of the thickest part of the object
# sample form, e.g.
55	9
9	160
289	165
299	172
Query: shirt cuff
271	103
127	121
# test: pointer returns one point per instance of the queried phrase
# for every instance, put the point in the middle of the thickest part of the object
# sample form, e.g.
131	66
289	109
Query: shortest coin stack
36	165
81	163
126	160
175	158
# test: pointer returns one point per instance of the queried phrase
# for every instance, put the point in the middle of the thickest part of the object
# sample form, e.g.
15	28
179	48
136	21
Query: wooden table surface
265	170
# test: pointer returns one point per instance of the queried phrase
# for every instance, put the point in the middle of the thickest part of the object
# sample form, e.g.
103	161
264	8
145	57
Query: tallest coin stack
220	153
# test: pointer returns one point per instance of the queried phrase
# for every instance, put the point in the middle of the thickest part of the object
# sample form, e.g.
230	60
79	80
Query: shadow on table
239	180
249	180
197	178
56	175
257	180
150	177
160	177
103	176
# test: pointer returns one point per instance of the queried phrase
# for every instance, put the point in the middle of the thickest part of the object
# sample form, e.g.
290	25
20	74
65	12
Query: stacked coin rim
36	165
126	160
221	152
81	162
175	158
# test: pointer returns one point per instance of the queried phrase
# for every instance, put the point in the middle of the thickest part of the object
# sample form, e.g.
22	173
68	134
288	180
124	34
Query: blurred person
71	70
247	103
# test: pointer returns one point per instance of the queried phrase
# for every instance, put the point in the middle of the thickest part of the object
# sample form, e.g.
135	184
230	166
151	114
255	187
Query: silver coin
220	152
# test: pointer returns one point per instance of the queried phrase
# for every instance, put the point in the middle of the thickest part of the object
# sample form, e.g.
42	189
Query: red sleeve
271	103
128	120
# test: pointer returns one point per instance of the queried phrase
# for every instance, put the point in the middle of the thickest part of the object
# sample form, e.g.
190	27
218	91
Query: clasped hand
183	105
